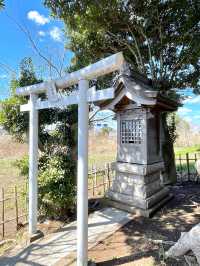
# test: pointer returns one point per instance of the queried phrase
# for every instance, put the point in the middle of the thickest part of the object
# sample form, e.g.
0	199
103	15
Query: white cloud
42	33
56	34
184	110
193	100
3	76
37	17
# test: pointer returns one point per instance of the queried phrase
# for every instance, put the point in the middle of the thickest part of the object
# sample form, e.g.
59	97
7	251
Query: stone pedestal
39	234
137	188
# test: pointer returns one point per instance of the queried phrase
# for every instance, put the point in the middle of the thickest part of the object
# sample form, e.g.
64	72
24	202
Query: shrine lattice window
131	131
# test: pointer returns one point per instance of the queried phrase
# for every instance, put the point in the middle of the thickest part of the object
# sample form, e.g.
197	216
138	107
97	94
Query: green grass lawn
191	150
183	167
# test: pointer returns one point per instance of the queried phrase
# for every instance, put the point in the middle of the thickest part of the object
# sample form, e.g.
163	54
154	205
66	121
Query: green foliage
56	183
171	122
190	150
159	38
183	167
2	4
27	73
22	164
13	121
106	130
57	188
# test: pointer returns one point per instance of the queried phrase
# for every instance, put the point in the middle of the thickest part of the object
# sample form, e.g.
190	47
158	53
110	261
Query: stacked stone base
138	188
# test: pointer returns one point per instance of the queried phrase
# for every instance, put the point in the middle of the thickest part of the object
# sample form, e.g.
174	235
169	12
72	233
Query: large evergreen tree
159	38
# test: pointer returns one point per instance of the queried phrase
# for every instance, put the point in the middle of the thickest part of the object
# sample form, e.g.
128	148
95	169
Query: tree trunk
169	174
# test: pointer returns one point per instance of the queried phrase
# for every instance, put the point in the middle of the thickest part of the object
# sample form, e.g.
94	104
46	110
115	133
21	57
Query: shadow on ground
133	245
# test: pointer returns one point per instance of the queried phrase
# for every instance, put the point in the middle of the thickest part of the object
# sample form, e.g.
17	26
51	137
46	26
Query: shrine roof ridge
139	89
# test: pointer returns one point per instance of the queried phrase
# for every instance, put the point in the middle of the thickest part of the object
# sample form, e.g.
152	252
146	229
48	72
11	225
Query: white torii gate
57	100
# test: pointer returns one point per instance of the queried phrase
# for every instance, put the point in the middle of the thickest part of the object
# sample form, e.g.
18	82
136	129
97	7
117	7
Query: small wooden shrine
137	185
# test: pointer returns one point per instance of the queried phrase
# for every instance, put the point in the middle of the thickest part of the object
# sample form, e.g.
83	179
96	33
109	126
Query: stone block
136	190
138	169
138	186
134	179
137	210
138	201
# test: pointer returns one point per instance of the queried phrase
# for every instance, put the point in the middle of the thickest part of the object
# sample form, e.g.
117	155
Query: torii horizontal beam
92	96
102	67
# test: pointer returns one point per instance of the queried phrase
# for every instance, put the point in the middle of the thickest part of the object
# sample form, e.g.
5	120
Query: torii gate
82	97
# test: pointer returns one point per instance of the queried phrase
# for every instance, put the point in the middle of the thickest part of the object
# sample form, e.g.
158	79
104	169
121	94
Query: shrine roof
136	89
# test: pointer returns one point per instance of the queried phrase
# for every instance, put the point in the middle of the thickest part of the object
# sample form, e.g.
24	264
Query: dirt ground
132	246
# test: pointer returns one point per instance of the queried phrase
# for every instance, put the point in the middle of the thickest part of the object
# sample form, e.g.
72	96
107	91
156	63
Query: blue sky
191	108
48	35
14	46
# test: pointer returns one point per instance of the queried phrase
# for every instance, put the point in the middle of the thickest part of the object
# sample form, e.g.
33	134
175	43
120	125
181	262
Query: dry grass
102	149
9	178
9	152
187	138
10	149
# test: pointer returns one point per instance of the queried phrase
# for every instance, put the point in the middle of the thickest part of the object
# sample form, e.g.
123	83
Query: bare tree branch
93	115
7	68
128	46
150	54
161	41
100	119
34	45
137	48
179	62
62	60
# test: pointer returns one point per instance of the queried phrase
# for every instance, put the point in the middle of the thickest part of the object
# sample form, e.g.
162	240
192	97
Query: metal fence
186	169
100	179
13	210
14	200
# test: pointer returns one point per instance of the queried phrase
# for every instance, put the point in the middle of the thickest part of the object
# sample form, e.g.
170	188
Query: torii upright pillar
82	178
33	164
